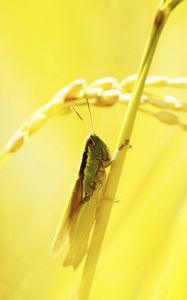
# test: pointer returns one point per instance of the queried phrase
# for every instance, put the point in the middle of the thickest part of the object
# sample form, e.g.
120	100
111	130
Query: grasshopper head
99	150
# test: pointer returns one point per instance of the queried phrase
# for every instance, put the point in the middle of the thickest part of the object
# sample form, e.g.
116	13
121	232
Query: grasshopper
80	214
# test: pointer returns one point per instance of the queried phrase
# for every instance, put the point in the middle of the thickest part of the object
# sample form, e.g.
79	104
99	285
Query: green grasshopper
80	214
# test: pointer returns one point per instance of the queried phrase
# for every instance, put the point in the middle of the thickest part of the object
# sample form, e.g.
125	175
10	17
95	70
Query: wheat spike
102	92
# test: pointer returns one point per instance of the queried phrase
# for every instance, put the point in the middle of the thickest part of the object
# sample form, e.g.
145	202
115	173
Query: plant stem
163	12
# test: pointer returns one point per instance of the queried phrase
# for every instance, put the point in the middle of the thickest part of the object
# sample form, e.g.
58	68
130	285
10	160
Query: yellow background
44	46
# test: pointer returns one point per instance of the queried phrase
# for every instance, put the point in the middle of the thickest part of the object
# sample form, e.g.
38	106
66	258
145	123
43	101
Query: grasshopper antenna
79	116
91	120
90	114
73	108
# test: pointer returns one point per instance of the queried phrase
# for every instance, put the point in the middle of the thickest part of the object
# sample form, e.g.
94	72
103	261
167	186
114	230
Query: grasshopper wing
68	217
80	231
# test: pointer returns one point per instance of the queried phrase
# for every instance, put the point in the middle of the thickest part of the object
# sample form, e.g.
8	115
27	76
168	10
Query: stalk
164	9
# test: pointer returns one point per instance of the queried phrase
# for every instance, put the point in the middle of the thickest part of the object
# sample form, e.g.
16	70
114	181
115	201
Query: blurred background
44	46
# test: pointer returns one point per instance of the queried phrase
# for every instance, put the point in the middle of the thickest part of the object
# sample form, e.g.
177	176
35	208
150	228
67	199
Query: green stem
163	12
